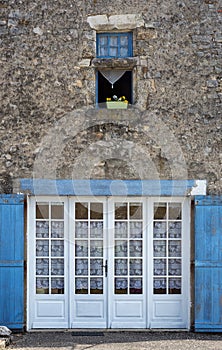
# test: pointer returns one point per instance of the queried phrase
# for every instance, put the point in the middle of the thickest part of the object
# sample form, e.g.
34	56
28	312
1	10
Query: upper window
114	45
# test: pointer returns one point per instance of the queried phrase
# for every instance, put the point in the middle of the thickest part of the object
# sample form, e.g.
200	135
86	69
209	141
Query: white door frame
127	310
61	306
89	310
45	310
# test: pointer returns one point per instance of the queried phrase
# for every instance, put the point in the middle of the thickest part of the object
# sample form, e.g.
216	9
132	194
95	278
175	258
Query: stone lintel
115	22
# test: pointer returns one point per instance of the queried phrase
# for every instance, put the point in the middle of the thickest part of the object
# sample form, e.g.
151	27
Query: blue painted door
208	264
12	261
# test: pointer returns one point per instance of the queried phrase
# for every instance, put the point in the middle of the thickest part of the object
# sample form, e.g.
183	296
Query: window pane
57	285
103	51
42	211
42	285
57	267
81	285
120	229
159	229
81	248
113	51
123	52
96	229
175	211
42	266
160	210
121	248
175	267
57	248
57	211
124	40
96	267
121	267
42	229
136	229
174	285
174	229
81	267
42	247
96	285
159	248
96	248
135	211
136	286
113	41
121	211
159	286
174	248
81	211
96	211
103	40
135	267
57	229
81	229
159	267
121	285
136	248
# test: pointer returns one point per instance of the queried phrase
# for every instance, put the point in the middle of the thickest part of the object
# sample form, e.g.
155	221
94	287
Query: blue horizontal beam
106	187
206	264
208	200
11	263
11	198
206	327
14	325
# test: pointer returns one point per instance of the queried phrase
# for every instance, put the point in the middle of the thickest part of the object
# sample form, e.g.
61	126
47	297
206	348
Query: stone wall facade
49	124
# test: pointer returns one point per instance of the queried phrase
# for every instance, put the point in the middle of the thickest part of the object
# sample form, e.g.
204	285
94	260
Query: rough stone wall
48	122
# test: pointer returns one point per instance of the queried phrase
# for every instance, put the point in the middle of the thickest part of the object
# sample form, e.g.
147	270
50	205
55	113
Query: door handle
106	267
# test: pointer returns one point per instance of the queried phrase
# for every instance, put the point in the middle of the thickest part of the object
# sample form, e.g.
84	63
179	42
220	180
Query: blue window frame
110	45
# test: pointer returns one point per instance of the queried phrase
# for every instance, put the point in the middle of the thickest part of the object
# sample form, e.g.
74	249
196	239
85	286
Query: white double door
107	263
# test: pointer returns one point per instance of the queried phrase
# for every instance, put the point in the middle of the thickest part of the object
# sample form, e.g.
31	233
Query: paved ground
111	340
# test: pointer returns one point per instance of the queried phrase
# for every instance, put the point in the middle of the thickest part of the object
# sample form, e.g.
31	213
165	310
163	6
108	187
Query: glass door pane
49	243
89	248
167	248
128	250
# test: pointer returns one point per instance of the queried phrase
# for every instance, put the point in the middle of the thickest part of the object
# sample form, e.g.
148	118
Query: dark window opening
122	87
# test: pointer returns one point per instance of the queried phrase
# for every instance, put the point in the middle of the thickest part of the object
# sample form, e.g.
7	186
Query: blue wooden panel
107	187
12	297
208	264
12	261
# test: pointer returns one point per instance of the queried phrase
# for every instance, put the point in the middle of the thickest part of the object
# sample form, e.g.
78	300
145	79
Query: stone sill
128	62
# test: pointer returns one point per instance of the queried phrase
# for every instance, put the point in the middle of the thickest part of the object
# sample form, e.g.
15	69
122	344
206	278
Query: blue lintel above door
112	187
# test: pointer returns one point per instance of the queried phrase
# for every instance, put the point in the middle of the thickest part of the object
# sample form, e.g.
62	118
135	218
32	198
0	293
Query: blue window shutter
208	264
12	261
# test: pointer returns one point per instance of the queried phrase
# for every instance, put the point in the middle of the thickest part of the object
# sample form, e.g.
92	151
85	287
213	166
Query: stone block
85	62
96	22
4	342
212	83
126	21
4	331
38	31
